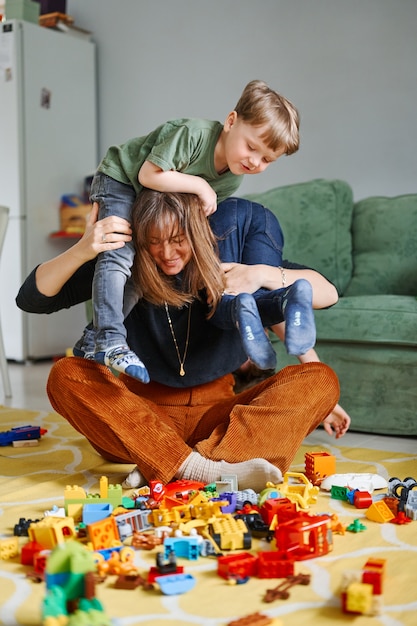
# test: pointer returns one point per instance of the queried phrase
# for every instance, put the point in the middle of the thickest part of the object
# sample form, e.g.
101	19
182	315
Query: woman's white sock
252	474
134	480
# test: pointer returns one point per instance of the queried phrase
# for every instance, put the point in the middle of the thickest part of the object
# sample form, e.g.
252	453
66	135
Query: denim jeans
249	233
111	300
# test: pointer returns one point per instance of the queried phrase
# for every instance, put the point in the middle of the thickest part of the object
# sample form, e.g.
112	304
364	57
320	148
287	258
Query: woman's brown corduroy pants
156	427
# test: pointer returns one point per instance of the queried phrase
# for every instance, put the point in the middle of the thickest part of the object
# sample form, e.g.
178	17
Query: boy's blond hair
259	105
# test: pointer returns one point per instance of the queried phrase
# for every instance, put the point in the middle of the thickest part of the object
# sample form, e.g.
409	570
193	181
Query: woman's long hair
172	214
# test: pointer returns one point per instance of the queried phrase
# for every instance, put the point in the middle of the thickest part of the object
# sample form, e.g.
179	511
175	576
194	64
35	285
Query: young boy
195	156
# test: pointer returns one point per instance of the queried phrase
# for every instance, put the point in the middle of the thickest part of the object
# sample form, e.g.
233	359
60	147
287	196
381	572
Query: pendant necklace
181	361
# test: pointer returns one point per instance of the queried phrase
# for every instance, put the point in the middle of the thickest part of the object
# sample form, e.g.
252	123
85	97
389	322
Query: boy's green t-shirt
183	145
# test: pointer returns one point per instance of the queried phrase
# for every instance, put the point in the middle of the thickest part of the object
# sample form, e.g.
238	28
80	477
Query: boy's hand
208	199
151	176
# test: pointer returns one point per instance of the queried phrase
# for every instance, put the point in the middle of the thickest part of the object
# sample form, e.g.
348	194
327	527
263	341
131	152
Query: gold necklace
180	361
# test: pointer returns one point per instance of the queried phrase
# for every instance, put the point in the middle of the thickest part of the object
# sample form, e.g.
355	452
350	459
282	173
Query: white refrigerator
48	145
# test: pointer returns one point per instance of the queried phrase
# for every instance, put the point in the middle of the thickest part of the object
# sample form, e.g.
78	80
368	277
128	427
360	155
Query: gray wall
350	66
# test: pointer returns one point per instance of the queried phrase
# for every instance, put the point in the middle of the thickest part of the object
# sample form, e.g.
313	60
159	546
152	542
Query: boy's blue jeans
249	233
113	295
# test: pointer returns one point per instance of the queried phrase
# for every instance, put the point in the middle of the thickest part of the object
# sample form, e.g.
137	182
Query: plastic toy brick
379	512
179	489
411	505
362	499
132	581
28	552
359	598
69	579
361	590
52	531
274	565
356	526
120	562
302	492
397	486
40	560
145	541
105	554
96	512
246	495
318	465
185	547
305	536
255	524
9	548
230	533
21	433
137	520
269	493
165	517
281	591
175	584
339	493
254	619
402	490
392	504
232	480
374	574
363	481
104	534
229	498
238	565
21	529
400	519
336	525
280	508
109	494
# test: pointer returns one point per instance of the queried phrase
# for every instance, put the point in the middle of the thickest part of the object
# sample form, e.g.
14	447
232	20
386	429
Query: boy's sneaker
300	326
84	355
252	333
122	359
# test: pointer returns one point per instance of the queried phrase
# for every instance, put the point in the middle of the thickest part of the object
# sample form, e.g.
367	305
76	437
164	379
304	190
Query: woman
187	423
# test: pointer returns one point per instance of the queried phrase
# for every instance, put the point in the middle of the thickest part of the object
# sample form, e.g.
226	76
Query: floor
28	383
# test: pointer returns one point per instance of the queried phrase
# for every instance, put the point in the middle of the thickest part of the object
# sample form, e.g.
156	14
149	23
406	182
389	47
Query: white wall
350	66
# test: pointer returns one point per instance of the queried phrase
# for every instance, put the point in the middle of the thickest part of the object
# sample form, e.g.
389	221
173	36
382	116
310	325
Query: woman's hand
242	278
107	234
110	233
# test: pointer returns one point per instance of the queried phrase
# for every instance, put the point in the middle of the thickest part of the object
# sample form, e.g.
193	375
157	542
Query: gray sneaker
122	359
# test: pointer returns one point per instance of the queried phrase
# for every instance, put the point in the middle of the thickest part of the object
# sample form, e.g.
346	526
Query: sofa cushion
315	217
370	319
384	232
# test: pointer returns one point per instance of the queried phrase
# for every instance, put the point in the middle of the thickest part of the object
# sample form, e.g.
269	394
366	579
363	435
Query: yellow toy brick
379	512
9	548
359	598
52	530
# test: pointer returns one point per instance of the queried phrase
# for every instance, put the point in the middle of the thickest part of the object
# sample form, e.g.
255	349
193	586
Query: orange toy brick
104	534
318	465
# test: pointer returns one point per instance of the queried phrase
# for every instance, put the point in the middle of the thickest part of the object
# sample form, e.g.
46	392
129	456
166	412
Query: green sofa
368	249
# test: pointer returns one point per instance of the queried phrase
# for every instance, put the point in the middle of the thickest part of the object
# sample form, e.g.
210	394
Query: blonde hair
259	105
173	214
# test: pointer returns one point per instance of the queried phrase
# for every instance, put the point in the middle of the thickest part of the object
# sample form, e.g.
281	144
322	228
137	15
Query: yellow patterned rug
33	479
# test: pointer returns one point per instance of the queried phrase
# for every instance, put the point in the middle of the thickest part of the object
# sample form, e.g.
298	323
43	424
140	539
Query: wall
349	66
